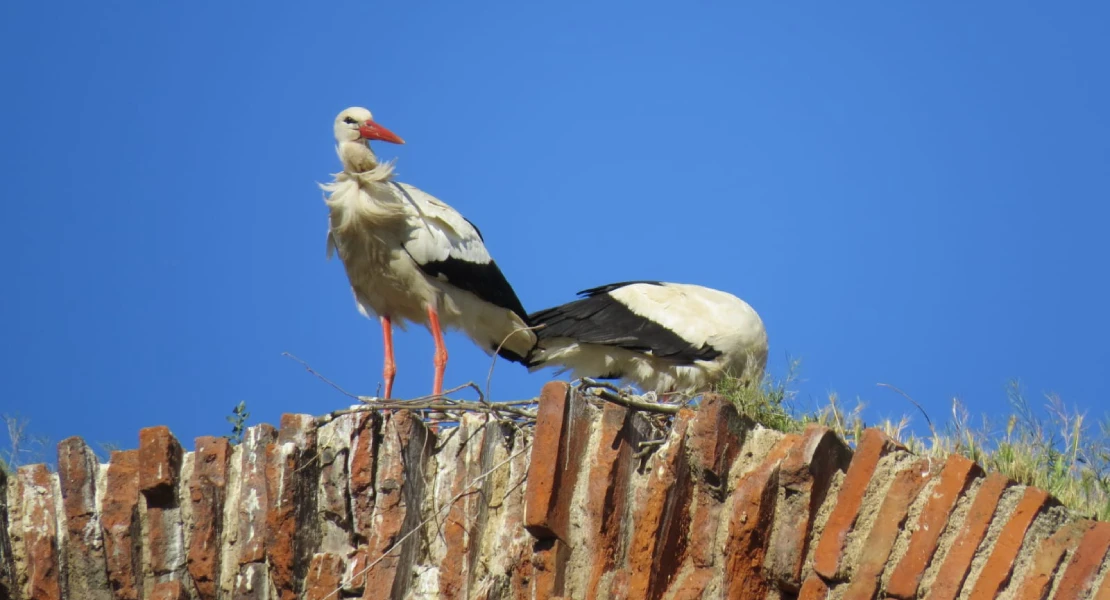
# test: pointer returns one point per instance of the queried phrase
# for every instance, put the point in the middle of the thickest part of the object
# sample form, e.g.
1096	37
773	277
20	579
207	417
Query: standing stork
411	258
670	338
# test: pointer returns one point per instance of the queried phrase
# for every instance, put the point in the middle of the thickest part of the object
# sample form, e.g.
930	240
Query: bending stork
410	257
670	338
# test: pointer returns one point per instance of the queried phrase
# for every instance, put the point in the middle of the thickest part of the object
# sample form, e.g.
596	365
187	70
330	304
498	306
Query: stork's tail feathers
540	322
517	345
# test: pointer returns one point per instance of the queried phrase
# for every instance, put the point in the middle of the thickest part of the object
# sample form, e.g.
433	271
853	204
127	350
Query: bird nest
441	410
444	410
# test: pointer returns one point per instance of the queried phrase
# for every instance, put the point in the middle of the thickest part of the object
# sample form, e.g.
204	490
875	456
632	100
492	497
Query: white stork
410	257
670	338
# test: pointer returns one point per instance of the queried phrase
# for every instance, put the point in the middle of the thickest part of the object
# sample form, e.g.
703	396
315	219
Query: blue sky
908	193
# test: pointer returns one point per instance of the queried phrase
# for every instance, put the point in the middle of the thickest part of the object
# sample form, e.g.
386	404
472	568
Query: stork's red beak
372	131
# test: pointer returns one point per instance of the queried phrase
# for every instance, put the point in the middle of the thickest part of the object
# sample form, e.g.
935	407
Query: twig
914	402
601	384
319	376
646	448
443	396
603	391
435	515
496	353
532	402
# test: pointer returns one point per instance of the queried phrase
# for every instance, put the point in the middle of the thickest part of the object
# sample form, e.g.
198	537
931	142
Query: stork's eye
350	120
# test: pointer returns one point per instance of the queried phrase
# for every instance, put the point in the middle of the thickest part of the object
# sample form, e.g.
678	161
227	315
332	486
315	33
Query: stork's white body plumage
664	337
412	258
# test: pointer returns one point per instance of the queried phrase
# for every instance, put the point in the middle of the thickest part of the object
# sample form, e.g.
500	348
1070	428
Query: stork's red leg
390	369
441	351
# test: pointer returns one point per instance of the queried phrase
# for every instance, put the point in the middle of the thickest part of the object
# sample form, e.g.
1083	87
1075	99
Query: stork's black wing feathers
441	245
601	319
604	289
484	280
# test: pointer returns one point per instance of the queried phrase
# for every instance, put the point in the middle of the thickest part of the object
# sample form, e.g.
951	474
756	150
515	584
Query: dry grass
20	447
1055	448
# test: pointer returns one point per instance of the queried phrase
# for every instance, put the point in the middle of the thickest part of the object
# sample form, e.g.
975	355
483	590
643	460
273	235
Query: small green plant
770	403
1060	454
238	420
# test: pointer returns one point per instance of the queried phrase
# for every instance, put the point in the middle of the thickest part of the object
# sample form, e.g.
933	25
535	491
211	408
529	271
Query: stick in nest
493	359
319	376
606	392
444	409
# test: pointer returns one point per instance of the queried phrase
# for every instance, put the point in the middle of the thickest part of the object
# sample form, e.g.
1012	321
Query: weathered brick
873	446
996	571
362	462
159	465
805	476
523	574
661	518
561	433
814	588
165	539
399	491
716	436
1038	580
86	569
691	586
324	577
891	519
7	558
119	516
168	590
290	520
160	457
354	577
782	448
749	531
517	561
457	528
207	493
253	495
252	576
1103	592
957	474
606	491
336	485
251	582
1080	573
544	469
549	557
38	520
957	563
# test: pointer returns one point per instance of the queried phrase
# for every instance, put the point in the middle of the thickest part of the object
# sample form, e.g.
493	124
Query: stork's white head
356	124
354	128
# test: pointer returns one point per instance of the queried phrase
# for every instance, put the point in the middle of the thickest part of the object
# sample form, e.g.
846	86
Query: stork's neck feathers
360	162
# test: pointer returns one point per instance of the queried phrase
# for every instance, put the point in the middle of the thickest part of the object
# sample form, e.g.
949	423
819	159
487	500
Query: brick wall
367	506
